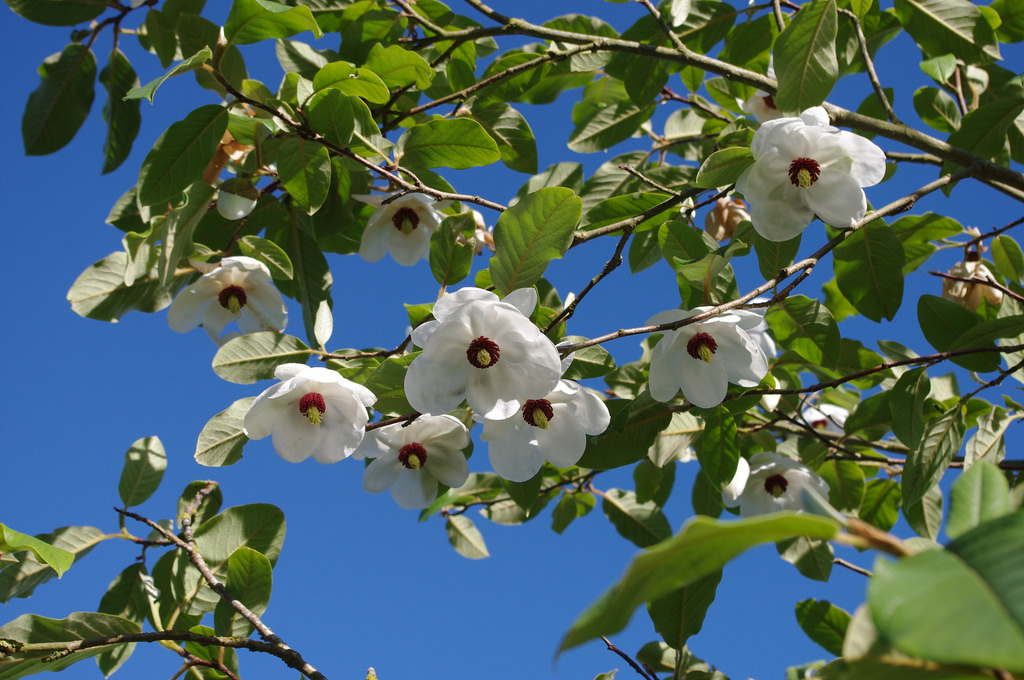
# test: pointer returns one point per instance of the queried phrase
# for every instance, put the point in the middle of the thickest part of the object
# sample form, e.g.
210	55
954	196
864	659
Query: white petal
516	456
780	219
436	379
294	437
703	384
374	244
731	493
452	302
563	442
447	465
216	318
259	421
288	371
523	299
837	199
414	489
663	381
382	473
186	312
408	249
815	115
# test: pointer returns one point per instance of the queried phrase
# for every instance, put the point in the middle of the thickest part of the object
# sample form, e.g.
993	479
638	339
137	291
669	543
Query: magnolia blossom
238	289
805	167
969	293
701	359
483	350
762	105
236	198
725	215
554	428
313	411
412	459
771	483
401	227
826	418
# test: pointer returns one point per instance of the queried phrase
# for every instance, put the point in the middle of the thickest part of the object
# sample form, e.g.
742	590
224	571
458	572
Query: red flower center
538	412
776	485
313	407
803	172
233	298
413	456
483	352
769	101
405	220
702	346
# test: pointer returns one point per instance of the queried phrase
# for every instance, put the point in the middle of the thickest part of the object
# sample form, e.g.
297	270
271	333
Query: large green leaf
357	82
251	21
451	257
805	57
719	450
122	116
144	465
249	581
603	126
222	439
14	541
944	26
57	12
458	143
305	170
100	292
312	281
181	154
869	271
907	401
824	623
530	234
979	579
177	229
988	442
724	167
399	67
254	356
642	523
927	461
983	131
332	114
21	579
701	548
679	615
806	327
58	107
30	628
465	537
981	494
511	132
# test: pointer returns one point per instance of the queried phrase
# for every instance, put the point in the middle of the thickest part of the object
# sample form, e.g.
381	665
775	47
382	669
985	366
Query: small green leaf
907	401
269	253
458	143
511	132
148	90
181	154
357	82
465	537
122	116
254	356
57	12
642	523
869	271
718	450
812	557
824	623
305	171
983	131
724	167
602	127
805	57
1008	257
451	257
19	580
399	67
251	21
937	109
881	503
988	442
144	465
927	462
222	439
249	580
806	327
58	107
14	541
679	615
100	291
944	26
30	628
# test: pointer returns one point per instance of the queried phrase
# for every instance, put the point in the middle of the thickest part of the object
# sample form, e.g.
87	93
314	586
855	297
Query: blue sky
360	582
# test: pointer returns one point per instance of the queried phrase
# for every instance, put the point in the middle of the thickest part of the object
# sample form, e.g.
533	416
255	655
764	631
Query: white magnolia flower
402	227
805	167
483	350
762	105
826	418
701	359
238	289
554	428
725	215
412	459
754	323
771	483
313	411
967	293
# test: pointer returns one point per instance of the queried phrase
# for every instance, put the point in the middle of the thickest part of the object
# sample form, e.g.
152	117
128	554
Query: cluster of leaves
366	110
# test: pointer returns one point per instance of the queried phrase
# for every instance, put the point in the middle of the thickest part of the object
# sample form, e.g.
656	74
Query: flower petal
414	489
516	456
294	437
837	199
382	473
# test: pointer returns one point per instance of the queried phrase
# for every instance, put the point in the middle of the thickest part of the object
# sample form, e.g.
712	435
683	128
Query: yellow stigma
314	415
234	304
705	353
539	419
483	357
407	226
414	462
803	178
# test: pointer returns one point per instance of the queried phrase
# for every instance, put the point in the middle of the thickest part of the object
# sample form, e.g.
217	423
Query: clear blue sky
360	582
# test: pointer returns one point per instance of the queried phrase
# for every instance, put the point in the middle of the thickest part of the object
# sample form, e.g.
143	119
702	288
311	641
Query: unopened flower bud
236	198
725	216
968	293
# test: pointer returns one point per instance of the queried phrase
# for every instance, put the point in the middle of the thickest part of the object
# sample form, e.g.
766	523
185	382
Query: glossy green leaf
634	427
824	623
148	90
458	143
868	268
305	170
254	356
530	234
511	132
251	21
31	628
1011	14
122	116
937	109
57	12
387	382
907	401
177	229
222	439
465	537
589	362
312	281
332	114
570	507
944	26
812	557
724	167
926	462
451	257
845	481
249	580
399	67
100	292
806	327
805	57
701	548
718	450
981	494
259	526
641	523
269	253
181	154
983	131
679	615
58	107
144	465
605	126
12	541
988	442
880	507
1008	257
356	82
925	516
21	579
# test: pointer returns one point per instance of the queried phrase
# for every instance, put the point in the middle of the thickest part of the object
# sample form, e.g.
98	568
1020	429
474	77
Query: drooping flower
762	105
771	483
238	289
701	359
826	418
969	293
236	198
483	350
313	411
805	167
553	428
401	227
412	459
725	215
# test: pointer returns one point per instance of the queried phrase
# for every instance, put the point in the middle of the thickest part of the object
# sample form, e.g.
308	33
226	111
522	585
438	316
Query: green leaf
14	541
845	484
249	581
983	131
907	401
812	557
222	439
1008	257
258	526
605	126
937	109
312	281
925	516
772	256
806	327
805	57
332	114
251	21
511	132
57	12
724	167
122	116
144	465
824	623
719	450
943	26
928	461
459	143
58	107
254	356
981	494
979	578
148	90
634	427
177	229
988	442
269	253
21	579
701	548
305	170
399	67
100	292
451	258
465	537
679	615
530	234
357	82
387	382
589	362
642	523
181	154
31	629
1011	12
881	503
868	268
570	506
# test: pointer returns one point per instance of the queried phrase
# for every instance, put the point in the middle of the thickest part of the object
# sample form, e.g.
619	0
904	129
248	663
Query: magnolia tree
806	435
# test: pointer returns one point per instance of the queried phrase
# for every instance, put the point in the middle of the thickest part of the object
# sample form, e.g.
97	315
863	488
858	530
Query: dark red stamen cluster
698	341
808	164
403	214
314	399
769	101
473	353
776	485
236	292
414	451
531	407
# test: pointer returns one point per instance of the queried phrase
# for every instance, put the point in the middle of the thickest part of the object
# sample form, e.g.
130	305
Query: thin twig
627	658
851	566
872	75
981	282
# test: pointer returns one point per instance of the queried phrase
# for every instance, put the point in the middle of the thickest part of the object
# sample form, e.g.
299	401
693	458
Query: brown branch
872	75
635	666
981	282
851	566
